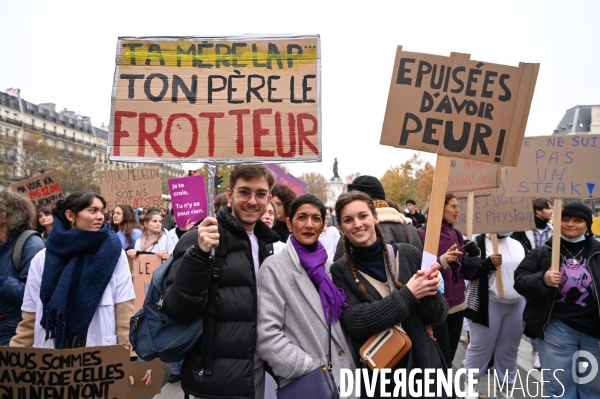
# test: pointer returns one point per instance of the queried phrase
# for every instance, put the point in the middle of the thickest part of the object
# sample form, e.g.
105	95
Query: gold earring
73	223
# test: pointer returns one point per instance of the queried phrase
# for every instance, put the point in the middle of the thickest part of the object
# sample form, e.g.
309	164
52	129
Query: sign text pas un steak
458	107
214	99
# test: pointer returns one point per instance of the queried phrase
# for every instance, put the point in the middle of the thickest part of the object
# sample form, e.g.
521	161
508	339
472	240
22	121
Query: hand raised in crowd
131	253
421	285
496	259
452	253
552	278
188	225
208	234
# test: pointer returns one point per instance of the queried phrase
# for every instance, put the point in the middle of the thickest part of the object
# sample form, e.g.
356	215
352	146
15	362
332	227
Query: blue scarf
79	265
332	297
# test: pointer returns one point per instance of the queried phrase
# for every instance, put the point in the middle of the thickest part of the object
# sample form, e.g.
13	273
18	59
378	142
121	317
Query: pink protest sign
282	177
188	196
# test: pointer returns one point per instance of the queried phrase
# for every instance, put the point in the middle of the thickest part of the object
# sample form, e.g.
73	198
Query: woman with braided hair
380	295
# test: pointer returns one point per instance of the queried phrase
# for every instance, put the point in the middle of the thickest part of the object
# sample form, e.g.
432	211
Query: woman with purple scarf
298	304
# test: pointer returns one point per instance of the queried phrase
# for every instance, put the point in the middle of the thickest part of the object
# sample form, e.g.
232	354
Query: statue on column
335	169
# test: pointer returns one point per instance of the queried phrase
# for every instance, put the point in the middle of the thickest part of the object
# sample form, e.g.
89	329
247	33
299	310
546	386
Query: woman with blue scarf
79	291
562	306
299	304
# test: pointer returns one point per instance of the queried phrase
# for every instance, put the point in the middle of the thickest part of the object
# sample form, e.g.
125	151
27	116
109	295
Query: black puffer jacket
236	311
529	282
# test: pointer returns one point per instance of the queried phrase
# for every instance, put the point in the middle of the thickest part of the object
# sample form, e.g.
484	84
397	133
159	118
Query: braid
379	234
348	256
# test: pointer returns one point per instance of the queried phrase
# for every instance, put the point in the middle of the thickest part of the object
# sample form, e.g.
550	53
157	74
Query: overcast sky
64	52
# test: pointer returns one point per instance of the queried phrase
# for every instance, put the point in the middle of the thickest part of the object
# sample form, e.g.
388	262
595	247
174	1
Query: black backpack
153	333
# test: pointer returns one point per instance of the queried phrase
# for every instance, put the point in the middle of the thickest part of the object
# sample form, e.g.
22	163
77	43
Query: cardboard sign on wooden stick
458	107
556	167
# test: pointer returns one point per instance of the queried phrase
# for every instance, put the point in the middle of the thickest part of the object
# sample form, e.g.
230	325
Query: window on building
33	123
65	132
15	117
54	129
44	126
6	115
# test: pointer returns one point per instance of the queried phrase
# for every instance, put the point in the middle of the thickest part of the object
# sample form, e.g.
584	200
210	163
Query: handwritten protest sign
469	175
282	177
95	372
138	371
458	107
143	267
42	190
188	197
557	167
138	187
216	99
497	212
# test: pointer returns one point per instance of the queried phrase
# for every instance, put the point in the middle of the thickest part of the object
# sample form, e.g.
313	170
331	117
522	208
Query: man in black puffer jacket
223	364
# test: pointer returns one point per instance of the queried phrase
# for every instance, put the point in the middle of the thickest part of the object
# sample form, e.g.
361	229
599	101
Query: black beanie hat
579	210
369	185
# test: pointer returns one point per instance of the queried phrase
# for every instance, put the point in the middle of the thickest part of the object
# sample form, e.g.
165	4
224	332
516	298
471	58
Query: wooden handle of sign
499	282
556	235
436	204
470	207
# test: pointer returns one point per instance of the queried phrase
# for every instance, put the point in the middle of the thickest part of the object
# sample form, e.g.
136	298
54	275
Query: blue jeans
556	352
176	367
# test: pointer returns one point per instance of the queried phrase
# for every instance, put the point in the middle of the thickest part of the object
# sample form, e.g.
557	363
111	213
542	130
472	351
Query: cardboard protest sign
227	99
143	267
596	226
138	187
458	107
557	167
497	212
188	198
469	175
138	371
282	177
95	372
42	190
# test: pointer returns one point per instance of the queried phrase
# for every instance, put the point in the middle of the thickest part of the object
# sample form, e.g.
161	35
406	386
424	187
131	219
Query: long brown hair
343	200
128	224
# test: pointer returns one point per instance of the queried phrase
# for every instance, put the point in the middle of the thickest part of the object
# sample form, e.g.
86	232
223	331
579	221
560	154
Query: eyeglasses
245	195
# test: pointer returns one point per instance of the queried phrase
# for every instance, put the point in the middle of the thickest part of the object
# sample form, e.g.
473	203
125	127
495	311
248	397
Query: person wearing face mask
494	319
562	308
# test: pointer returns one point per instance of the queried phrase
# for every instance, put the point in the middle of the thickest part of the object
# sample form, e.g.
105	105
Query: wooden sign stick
470	211
498	268
436	209
556	235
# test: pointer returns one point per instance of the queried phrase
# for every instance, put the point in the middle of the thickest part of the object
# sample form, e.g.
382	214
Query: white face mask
573	240
504	234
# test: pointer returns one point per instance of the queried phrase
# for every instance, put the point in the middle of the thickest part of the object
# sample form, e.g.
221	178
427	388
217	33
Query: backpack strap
210	329
17	254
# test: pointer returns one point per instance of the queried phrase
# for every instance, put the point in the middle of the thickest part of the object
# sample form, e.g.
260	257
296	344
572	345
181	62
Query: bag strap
17	254
329	364
397	256
212	307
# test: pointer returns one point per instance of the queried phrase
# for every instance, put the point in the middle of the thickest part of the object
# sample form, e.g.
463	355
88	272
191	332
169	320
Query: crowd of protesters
302	285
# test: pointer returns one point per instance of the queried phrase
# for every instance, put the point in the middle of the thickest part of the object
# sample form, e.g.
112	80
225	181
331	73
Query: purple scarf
332	297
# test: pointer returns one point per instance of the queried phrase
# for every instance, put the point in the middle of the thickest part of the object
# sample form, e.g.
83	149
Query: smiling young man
223	363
